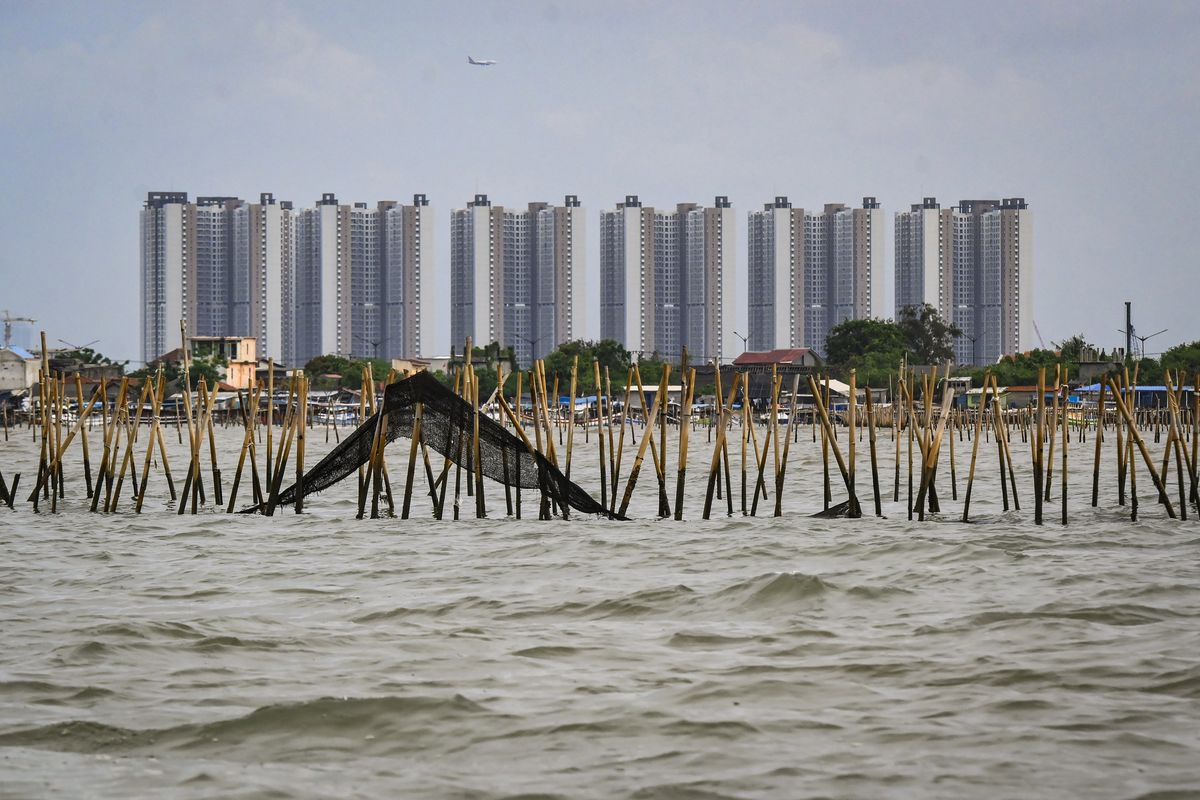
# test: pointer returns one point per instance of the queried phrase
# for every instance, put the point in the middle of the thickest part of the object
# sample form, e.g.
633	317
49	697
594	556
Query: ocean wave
774	590
282	731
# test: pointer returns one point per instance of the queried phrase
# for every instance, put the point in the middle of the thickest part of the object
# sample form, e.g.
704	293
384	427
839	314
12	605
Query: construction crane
1041	341
8	323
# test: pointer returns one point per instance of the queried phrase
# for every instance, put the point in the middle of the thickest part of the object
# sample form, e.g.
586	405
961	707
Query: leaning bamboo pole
871	433
1100	411
1141	445
854	510
645	442
787	441
685	415
983	404
601	404
722	434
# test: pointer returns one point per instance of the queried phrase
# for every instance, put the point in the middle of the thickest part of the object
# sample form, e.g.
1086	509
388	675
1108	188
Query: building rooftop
20	351
787	355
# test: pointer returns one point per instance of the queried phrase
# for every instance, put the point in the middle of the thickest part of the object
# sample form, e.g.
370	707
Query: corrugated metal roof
22	352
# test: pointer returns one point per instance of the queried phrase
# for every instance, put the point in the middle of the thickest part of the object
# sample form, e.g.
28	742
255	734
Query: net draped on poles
446	426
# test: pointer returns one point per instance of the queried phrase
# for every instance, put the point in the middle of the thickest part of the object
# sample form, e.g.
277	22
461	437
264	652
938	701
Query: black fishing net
447	426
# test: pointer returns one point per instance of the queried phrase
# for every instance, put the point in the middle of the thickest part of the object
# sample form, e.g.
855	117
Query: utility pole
1128	330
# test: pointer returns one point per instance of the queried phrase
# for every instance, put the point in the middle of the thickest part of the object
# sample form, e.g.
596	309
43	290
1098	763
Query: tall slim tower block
218	265
810	270
516	276
974	263
356	286
669	279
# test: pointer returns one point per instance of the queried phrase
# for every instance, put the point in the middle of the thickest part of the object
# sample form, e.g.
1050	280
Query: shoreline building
516	276
974	263
669	279
810	270
356	285
217	264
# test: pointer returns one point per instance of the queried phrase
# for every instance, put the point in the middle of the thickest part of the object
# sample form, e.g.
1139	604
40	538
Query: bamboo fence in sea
747	470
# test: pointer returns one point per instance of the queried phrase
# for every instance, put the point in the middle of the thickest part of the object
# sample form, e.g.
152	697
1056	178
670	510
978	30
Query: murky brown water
319	656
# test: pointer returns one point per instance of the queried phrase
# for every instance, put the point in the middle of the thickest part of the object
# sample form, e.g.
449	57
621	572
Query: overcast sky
1088	110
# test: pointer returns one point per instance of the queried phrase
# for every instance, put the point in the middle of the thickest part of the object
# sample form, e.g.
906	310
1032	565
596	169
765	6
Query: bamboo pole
744	435
1063	477
714	466
247	444
571	414
854	511
770	440
301	428
1100	410
983	404
641	453
600	406
871	440
412	460
787	441
1141	445
625	423
685	415
480	509
87	460
127	461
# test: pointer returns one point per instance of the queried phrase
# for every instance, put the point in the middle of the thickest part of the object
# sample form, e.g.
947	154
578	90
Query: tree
1185	357
854	338
321	368
611	355
1072	350
930	338
86	355
209	369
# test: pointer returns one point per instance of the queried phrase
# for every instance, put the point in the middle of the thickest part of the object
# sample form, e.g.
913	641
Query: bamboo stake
1063	477
616	473
787	441
87	461
770	440
983	404
600	405
247	444
1137	439
646	439
301	427
1100	410
721	436
854	510
412	459
571	414
480	510
685	415
874	458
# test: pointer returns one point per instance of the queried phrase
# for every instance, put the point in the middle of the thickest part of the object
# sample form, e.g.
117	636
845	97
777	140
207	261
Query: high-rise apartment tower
516	276
218	265
810	270
669	279
356	286
974	264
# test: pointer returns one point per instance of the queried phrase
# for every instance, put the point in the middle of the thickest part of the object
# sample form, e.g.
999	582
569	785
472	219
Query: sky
1089	110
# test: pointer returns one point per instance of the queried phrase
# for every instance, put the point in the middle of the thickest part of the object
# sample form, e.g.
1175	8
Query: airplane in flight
483	62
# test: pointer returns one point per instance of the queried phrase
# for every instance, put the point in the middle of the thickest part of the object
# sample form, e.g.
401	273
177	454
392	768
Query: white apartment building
332	279
974	263
516	276
670	279
810	270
